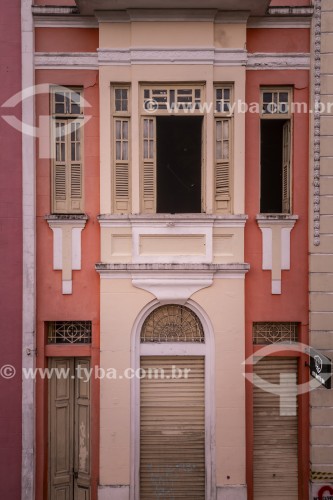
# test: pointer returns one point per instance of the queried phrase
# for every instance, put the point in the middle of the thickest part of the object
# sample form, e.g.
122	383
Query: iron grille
271	333
69	332
172	323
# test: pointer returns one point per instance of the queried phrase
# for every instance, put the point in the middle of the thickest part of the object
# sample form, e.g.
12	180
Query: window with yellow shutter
67	168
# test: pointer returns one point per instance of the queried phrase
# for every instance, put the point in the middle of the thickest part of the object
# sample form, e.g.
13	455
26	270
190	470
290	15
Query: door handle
75	474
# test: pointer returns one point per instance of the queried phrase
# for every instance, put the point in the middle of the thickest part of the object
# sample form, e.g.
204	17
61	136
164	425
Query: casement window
223	149
67	168
275	150
171	149
121	123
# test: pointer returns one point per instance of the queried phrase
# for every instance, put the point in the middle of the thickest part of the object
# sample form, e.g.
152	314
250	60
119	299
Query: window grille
272	333
166	99
69	332
172	323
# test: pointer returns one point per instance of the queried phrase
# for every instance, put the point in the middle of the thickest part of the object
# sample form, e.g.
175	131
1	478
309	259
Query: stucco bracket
276	229
66	246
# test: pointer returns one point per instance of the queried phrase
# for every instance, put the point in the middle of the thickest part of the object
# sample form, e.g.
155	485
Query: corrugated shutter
149	165
222	164
275	450
172	430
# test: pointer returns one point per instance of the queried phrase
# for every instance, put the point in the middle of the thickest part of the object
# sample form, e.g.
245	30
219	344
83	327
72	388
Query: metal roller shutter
172	430
275	461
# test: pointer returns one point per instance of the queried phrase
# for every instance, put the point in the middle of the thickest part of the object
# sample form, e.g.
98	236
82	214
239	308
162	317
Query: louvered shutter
149	165
172	429
275	449
286	168
67	170
222	164
121	175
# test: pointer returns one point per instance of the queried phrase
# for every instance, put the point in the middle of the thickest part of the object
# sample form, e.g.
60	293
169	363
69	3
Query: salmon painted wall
83	304
10	254
292	304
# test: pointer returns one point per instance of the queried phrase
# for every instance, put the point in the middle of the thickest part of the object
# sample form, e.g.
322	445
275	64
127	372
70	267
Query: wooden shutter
172	430
82	432
67	170
286	168
121	177
275	450
149	165
222	164
61	431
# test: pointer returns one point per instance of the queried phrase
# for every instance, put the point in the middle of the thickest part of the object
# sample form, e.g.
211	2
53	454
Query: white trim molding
29	259
276	231
270	61
279	22
63	60
64	21
66	247
180	349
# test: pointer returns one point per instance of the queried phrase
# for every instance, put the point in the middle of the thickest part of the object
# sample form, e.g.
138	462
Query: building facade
172	238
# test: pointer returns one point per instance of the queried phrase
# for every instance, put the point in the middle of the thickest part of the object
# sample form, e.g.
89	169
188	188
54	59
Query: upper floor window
275	150
67	167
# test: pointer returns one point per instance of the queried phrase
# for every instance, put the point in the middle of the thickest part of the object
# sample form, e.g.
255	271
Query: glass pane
58	152
219	150
218	130
118	150
218	93
125	151
225	150
226	130
145	149
151	149
145	128
75	109
118	105
227	94
78	151
60	108
73	151
62	158
125	130
59	97
118	129
151	129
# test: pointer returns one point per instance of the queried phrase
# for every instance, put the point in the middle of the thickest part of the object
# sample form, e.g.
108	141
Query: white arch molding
180	349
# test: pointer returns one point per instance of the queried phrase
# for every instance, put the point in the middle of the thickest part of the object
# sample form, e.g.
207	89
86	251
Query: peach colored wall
83	304
278	40
66	39
292	304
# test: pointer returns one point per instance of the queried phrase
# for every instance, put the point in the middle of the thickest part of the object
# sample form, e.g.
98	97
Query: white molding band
73	60
270	61
29	259
126	57
279	22
45	21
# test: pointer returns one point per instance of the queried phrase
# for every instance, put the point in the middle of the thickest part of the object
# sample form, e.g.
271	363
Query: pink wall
83	304
275	40
66	40
10	255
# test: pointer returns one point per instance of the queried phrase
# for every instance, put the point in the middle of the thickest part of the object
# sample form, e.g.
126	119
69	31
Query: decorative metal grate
69	332
172	323
271	333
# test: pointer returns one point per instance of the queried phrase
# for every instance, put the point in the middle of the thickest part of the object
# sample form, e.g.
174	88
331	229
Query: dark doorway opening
271	166
179	164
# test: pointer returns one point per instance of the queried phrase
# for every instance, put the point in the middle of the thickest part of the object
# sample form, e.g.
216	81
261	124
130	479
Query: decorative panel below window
69	332
271	333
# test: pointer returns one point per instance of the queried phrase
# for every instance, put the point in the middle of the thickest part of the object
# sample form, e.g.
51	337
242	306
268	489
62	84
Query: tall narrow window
171	149
223	127
121	149
67	172
275	151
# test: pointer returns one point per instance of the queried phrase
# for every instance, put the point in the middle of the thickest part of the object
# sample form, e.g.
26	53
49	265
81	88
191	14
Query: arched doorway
174	445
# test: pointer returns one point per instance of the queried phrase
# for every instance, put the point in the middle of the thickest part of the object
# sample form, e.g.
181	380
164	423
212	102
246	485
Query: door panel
69	430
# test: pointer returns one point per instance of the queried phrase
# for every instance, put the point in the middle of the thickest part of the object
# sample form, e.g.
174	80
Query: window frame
68	119
288	118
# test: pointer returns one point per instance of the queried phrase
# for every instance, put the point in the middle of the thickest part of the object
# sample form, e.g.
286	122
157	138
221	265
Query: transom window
69	332
172	323
271	333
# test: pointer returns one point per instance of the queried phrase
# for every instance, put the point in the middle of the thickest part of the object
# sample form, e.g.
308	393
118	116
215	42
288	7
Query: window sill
276	218
65	217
